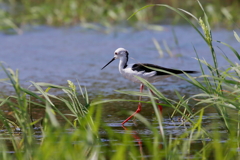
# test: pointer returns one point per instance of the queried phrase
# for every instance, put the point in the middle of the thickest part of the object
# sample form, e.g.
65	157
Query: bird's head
120	52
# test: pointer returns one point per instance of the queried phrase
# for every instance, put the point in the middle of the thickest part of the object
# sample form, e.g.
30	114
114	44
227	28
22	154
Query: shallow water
55	55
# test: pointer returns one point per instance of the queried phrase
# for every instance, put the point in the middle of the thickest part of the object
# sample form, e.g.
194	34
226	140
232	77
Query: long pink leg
139	106
159	106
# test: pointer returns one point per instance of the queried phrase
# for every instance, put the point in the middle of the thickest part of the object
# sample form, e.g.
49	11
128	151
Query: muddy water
55	55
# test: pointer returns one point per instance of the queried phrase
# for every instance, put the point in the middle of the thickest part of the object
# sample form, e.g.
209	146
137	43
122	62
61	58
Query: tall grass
85	136
220	88
16	14
20	106
212	85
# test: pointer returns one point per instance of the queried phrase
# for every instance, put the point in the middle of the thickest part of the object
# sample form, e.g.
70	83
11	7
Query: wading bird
143	70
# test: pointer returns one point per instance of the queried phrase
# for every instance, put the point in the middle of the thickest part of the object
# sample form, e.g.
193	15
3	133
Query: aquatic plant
20	106
17	14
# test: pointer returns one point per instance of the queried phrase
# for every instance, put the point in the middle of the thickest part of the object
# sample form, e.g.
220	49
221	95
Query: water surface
55	55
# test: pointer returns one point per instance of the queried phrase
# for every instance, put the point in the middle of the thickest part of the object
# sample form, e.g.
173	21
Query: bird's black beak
108	63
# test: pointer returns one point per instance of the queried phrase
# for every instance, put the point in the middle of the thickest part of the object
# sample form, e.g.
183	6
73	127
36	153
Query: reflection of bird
143	70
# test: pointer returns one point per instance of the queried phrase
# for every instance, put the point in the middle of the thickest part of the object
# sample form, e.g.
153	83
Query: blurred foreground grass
19	13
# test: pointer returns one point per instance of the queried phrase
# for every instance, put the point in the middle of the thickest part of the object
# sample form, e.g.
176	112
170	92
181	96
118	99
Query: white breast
128	73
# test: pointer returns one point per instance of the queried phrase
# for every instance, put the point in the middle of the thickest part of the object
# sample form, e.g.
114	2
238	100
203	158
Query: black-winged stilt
130	71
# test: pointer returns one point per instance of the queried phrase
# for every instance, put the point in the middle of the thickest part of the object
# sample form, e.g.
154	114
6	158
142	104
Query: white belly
151	77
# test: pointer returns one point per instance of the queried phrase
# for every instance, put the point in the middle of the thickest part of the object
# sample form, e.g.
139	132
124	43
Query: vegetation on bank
79	137
17	14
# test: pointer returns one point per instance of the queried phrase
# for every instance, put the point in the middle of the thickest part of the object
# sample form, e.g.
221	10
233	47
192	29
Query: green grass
85	136
19	14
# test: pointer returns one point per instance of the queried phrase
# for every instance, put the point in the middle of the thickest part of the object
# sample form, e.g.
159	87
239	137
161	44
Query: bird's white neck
123	63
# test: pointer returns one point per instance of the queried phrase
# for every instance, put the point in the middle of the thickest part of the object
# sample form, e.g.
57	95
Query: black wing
144	67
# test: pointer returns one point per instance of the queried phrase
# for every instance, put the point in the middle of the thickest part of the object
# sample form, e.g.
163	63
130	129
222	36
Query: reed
20	14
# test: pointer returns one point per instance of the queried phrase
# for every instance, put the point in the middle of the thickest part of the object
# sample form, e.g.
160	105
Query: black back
143	67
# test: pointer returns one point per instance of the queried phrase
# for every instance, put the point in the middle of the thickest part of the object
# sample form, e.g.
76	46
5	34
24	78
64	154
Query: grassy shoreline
16	14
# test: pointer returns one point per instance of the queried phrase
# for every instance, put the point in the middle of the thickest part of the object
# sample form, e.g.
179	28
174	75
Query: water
55	55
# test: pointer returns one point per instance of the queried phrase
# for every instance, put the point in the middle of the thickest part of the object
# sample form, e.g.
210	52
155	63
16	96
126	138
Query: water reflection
137	139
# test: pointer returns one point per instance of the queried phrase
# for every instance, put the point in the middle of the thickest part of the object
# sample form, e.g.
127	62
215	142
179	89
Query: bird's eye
116	53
